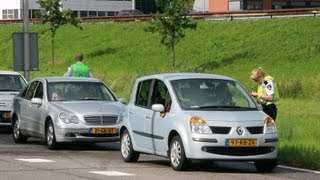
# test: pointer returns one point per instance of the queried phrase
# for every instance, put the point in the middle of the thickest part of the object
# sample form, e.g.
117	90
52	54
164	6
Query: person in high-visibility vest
267	94
78	69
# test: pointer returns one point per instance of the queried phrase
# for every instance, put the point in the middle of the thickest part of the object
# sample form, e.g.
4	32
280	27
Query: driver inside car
223	95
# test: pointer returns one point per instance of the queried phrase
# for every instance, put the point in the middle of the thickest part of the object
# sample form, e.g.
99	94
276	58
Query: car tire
265	166
178	160
18	137
127	152
50	136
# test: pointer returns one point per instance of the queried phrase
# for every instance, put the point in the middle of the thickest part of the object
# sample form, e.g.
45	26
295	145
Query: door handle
130	112
147	117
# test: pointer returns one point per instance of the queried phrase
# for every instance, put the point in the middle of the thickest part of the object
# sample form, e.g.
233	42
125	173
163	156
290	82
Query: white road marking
299	169
35	160
111	173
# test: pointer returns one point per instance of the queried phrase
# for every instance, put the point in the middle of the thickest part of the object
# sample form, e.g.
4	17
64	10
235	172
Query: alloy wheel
175	153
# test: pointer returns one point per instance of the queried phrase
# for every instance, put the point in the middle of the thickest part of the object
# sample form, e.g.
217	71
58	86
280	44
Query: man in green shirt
78	69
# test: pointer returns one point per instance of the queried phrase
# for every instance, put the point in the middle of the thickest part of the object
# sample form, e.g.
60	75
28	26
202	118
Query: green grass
289	49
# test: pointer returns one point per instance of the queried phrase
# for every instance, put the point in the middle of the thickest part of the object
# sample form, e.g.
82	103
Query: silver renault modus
191	116
65	109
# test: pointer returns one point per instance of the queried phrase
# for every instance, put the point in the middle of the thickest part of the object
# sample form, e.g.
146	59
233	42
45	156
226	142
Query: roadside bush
290	88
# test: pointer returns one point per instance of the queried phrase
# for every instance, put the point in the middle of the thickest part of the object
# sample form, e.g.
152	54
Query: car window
211	94
39	91
160	95
70	91
11	82
30	90
143	93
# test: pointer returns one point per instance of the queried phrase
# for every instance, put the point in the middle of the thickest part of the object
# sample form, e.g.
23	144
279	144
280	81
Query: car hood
230	116
90	107
7	96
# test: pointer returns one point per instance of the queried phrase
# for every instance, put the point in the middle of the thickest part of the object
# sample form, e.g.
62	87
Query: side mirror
37	101
122	100
157	107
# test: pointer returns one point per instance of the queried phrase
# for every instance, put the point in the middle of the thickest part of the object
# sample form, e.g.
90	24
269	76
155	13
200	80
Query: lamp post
26	39
133	4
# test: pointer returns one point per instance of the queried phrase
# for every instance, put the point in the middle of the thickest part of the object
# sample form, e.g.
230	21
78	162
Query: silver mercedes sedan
65	109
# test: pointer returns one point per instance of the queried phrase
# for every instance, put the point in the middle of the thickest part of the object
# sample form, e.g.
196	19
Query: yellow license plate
241	142
103	130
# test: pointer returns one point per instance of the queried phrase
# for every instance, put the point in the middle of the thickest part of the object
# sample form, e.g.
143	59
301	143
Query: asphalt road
103	161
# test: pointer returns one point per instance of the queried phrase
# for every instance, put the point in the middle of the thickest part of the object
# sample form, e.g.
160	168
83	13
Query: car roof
177	76
9	72
66	79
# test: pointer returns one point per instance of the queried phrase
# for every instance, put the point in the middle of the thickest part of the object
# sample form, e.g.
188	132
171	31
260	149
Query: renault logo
239	130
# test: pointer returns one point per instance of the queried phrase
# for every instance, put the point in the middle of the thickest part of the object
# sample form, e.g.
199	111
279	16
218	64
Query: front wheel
50	136
127	152
18	137
265	166
178	160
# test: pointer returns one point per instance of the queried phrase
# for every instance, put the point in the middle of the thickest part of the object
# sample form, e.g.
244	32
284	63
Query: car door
140	115
36	111
161	122
24	104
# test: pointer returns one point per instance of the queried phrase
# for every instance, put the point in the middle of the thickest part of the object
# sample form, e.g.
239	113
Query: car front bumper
83	135
207	147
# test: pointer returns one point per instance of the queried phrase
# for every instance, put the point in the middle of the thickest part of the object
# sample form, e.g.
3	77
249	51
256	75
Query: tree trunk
173	55
52	47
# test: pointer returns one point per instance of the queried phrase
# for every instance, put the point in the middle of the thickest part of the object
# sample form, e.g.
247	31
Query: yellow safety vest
276	92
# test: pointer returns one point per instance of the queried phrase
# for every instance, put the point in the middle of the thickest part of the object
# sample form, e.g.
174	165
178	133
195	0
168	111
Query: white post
26	39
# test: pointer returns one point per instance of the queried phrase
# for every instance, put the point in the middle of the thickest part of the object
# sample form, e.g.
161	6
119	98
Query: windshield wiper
92	99
8	90
224	106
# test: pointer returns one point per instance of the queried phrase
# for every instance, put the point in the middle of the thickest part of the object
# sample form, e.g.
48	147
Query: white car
190	116
66	109
11	83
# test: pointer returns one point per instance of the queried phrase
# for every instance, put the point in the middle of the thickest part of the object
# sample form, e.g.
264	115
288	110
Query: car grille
220	129
238	151
101	120
255	129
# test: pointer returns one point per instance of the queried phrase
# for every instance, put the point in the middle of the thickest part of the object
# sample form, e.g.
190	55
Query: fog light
70	135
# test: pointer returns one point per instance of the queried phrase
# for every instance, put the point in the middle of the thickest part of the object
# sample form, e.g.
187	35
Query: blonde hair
258	73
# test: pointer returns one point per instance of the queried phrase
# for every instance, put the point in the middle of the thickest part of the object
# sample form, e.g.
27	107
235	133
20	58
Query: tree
56	17
170	22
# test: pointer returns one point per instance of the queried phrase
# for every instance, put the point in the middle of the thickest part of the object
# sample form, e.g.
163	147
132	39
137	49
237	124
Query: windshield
10	82
212	94
70	91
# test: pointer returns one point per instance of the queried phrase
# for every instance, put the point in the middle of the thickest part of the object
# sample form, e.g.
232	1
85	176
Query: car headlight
68	118
269	126
198	125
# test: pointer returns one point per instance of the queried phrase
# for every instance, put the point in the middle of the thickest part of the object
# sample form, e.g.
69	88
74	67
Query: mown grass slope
289	49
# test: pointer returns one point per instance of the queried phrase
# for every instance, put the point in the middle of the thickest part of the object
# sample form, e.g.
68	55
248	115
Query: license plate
6	115
103	130
241	142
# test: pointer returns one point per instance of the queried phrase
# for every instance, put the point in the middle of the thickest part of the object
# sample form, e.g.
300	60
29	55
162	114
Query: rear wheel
265	166
178	160
18	137
50	136
127	152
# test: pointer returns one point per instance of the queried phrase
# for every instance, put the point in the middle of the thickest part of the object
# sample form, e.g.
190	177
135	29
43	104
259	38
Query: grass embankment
289	49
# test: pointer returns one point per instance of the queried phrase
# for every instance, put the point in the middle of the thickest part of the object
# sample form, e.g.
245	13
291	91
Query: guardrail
230	15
